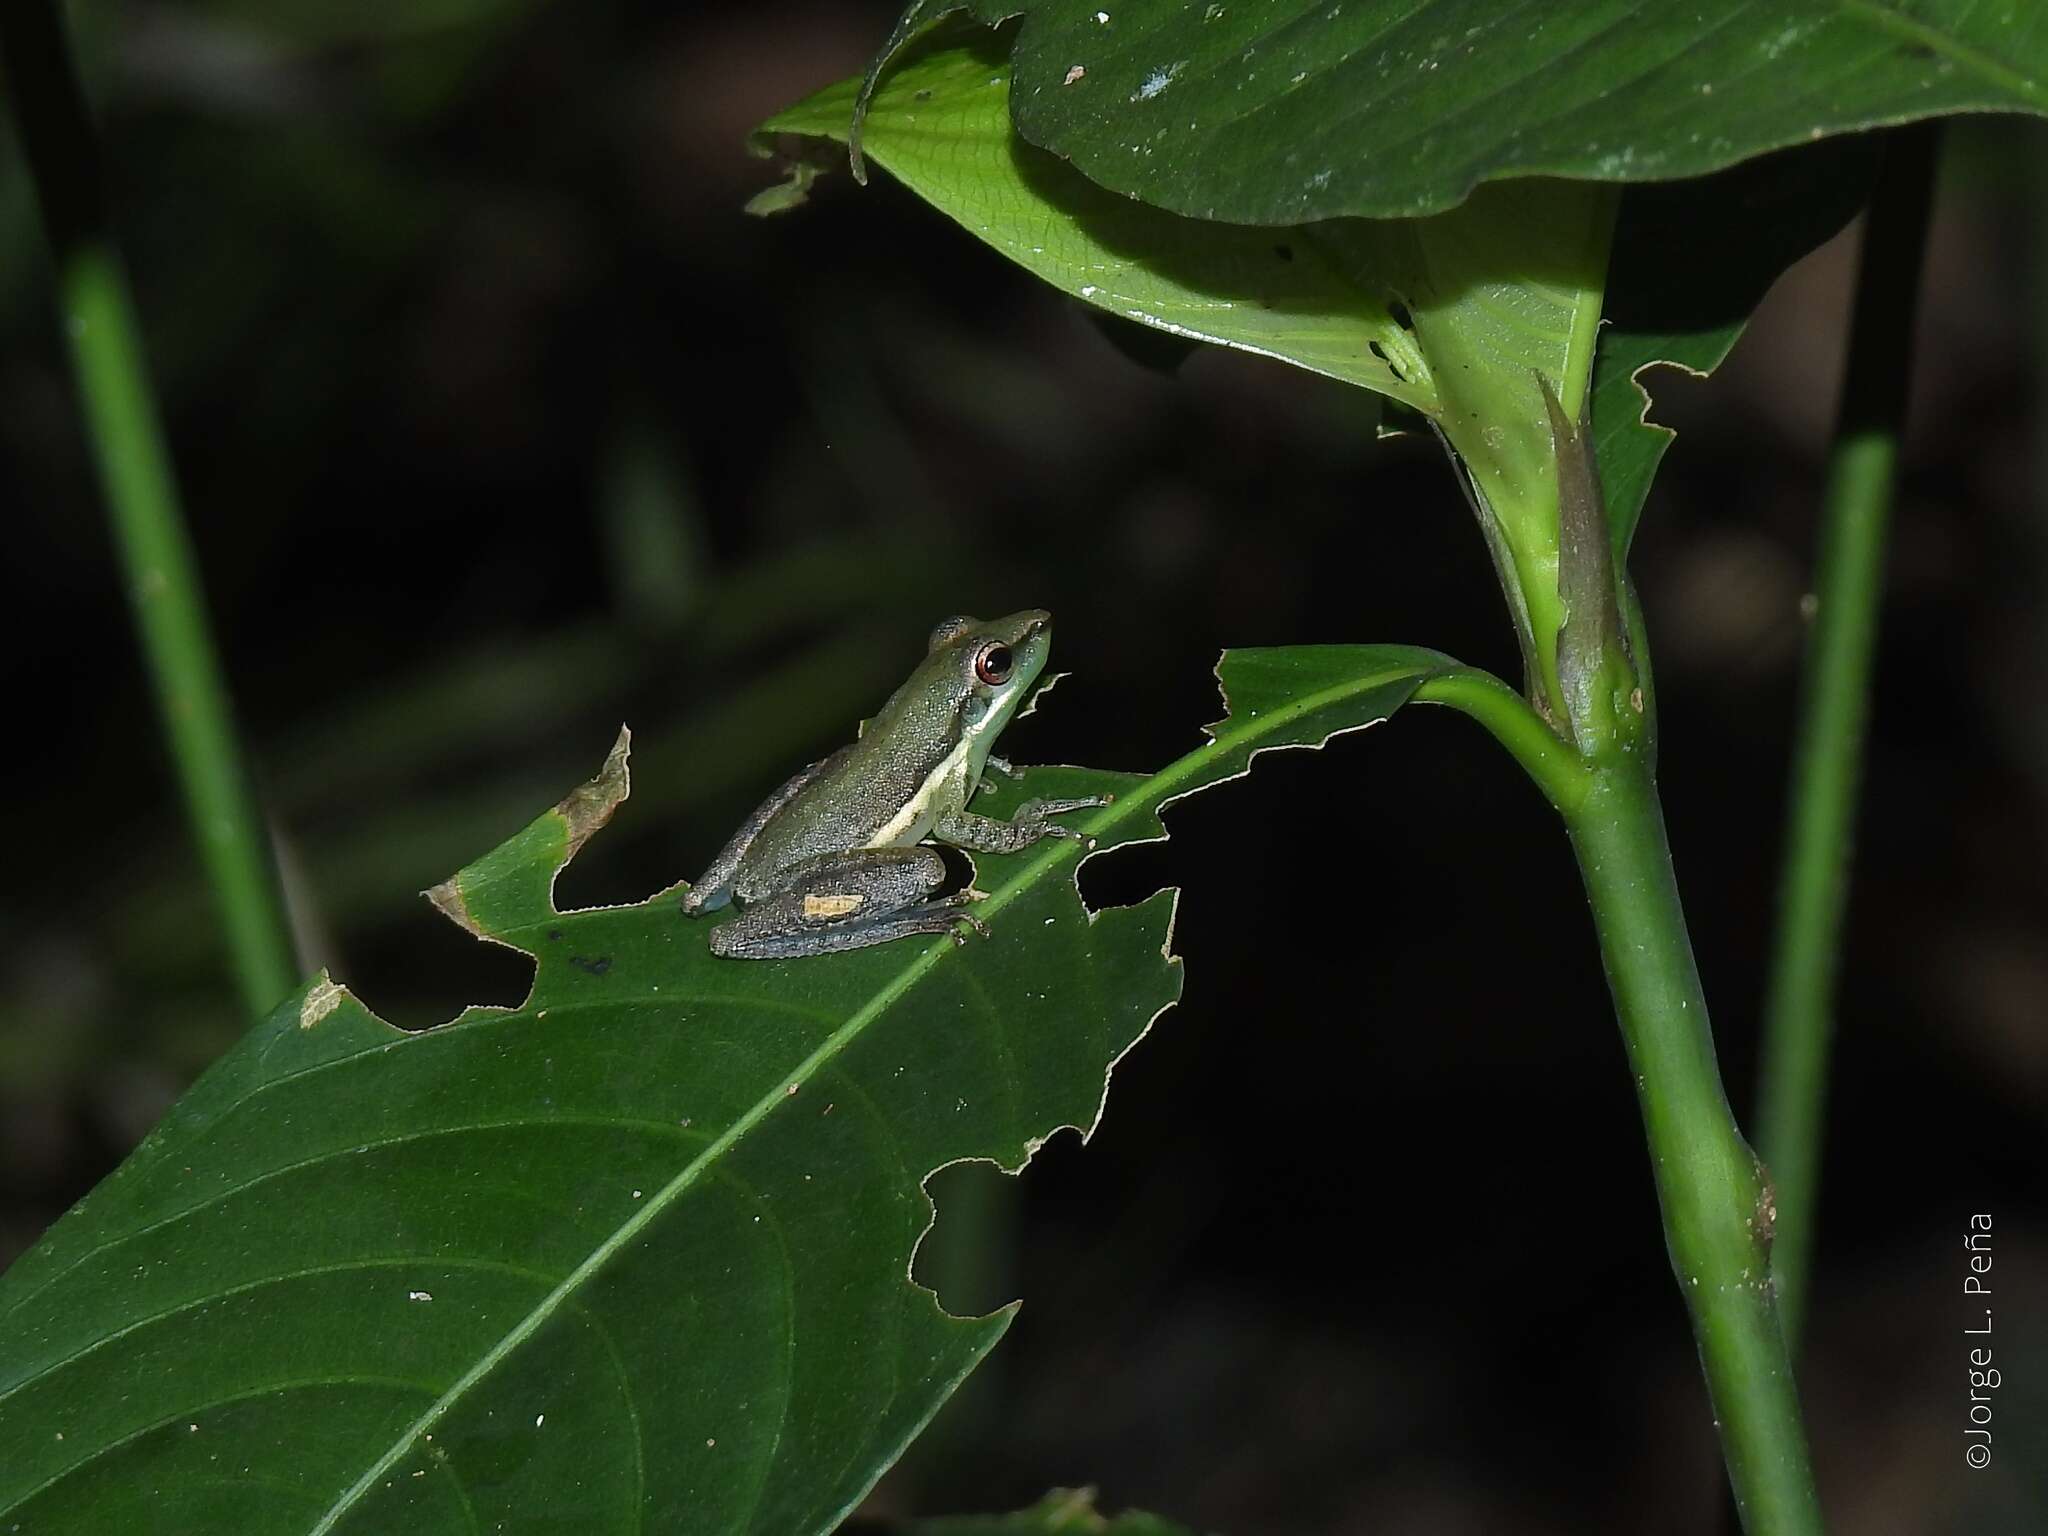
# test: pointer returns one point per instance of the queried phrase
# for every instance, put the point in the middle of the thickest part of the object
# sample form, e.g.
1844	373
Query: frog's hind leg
714	887
847	901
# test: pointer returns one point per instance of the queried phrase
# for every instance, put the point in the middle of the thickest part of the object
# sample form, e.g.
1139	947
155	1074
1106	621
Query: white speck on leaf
1074	74
1158	81
539	1419
1102	18
1783	40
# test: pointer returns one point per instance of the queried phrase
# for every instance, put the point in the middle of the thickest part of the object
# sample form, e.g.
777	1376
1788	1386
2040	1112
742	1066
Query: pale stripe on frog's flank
904	826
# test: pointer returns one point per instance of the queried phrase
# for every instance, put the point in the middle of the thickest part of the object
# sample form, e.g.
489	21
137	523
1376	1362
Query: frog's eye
993	663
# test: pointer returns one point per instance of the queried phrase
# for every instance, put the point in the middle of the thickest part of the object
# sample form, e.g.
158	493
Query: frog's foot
1036	813
953	902
971	921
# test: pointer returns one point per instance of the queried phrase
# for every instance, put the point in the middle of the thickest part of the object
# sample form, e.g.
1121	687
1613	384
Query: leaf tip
1046	685
589	806
514	883
448	900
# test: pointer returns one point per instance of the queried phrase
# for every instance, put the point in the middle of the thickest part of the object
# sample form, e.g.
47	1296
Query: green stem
1715	1200
1827	757
135	476
1513	722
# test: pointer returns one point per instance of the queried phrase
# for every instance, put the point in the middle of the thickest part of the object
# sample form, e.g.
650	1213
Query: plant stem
135	476
1827	756
1513	722
1717	1205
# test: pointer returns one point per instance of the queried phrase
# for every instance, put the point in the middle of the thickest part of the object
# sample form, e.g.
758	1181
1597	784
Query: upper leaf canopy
1280	111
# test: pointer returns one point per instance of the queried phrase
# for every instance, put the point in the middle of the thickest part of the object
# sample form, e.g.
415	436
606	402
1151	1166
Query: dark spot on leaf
554	933
1916	50
595	967
924	95
1284	252
1400	316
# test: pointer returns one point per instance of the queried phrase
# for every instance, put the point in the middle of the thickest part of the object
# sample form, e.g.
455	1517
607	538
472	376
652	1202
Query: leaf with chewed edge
633	1255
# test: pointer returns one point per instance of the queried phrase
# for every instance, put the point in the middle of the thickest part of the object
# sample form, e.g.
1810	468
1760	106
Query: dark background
499	423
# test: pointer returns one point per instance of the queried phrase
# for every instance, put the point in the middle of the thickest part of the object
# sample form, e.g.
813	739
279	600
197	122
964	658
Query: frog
842	856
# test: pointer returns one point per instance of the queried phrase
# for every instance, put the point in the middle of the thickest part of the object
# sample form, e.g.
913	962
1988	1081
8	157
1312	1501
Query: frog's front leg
984	834
847	901
1000	765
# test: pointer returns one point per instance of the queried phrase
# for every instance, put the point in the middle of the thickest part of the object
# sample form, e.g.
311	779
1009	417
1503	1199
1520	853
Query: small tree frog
834	859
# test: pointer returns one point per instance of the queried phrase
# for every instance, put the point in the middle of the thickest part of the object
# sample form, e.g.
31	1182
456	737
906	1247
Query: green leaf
940	124
633	1255
1455	316
1282	111
1063	1512
1691	263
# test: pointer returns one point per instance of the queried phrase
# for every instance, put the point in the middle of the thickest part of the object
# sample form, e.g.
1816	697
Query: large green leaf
1453	315
1456	316
631	1256
940	124
1281	111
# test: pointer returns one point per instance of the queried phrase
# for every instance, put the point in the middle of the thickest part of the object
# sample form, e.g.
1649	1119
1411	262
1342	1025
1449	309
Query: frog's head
985	667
